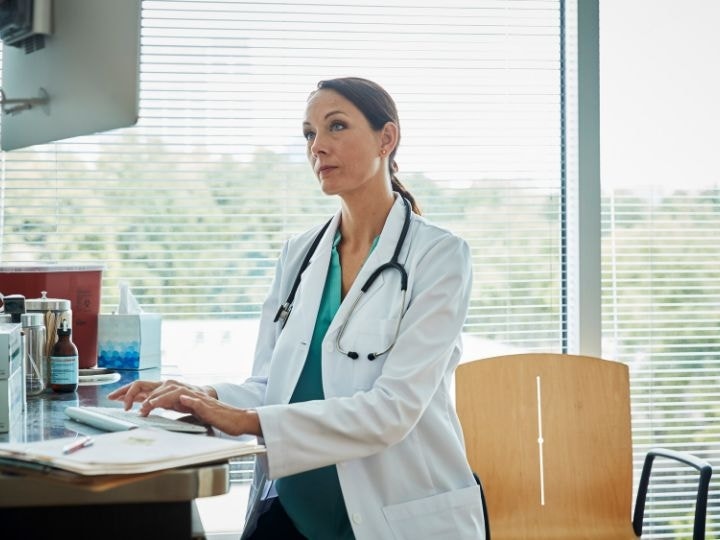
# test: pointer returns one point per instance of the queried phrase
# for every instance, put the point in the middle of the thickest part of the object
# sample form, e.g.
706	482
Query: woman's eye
309	135
337	126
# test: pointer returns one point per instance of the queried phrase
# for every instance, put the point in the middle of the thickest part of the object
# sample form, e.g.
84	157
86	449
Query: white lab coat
388	424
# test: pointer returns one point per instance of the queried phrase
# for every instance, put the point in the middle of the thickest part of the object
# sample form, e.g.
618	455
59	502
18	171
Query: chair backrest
550	437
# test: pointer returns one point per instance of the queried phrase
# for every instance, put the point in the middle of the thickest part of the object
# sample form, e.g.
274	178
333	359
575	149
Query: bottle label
64	370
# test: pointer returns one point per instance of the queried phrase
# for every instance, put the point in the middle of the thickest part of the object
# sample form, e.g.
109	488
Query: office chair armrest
700	465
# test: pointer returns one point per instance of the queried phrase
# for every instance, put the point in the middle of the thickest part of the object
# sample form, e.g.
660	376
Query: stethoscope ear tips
372	356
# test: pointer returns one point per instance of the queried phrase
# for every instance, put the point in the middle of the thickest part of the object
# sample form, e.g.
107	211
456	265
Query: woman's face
343	149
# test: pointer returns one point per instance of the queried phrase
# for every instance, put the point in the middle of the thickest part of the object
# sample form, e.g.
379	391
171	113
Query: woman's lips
325	169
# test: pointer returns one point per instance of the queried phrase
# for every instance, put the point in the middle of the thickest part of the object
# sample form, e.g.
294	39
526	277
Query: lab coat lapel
311	287
382	253
300	326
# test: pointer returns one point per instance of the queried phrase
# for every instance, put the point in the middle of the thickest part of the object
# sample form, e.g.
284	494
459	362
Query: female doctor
359	339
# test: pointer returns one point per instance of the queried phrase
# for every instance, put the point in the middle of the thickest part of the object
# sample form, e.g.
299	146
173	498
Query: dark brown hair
379	108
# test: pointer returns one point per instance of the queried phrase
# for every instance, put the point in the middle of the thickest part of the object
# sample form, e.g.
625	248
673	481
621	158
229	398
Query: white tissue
128	303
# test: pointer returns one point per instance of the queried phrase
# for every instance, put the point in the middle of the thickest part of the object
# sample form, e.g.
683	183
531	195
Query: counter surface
89	504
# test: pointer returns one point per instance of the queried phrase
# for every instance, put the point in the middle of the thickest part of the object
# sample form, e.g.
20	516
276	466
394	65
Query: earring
382	152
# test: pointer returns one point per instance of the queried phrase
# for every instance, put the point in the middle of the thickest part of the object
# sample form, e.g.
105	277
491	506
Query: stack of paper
128	452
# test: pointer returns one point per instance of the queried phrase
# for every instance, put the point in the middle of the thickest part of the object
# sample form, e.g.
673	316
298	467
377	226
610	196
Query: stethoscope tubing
285	309
283	312
372	356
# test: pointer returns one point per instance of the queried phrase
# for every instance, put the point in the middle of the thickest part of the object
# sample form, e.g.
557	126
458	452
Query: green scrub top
313	499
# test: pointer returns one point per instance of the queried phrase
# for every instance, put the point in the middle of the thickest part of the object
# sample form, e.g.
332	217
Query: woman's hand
199	401
231	420
144	391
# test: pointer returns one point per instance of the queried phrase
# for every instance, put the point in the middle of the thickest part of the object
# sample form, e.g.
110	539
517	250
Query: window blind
661	291
660	222
192	205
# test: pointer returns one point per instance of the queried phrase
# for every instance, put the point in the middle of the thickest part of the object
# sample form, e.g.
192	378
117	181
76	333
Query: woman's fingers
133	392
119	393
167	396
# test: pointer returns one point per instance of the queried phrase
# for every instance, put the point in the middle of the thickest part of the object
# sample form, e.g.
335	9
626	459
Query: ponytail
398	187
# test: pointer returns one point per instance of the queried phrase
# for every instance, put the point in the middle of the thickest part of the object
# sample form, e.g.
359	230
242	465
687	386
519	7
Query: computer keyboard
117	419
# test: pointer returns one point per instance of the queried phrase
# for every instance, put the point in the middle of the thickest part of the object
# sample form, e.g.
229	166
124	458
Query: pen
77	445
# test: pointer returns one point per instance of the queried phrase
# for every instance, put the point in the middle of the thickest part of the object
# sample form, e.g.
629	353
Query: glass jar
54	311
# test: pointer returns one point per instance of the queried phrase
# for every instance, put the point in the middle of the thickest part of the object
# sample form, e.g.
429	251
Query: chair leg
484	507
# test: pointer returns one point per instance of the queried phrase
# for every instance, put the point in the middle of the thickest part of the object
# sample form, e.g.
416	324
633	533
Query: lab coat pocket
374	337
455	514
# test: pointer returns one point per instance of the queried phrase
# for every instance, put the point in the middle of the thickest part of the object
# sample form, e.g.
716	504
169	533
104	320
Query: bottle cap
64	329
14	304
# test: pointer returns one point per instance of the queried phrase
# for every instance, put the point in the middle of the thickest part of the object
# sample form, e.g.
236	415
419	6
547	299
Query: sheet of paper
130	452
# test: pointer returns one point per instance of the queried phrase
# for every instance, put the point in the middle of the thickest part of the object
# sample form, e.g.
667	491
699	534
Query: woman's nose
318	146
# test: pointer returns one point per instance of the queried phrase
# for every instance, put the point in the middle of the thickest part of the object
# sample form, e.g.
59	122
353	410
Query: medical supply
34	340
12	384
53	310
79	283
285	309
64	368
14	305
10	348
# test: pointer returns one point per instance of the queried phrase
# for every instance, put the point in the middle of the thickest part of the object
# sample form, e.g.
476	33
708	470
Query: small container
34	340
54	310
14	305
64	362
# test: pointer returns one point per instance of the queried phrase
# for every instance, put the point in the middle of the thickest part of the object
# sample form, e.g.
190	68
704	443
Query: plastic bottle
64	365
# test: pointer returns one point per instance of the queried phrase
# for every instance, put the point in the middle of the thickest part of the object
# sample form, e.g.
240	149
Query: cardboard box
11	350
12	397
129	341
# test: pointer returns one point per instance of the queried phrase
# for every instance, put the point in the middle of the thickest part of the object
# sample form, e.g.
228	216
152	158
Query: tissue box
129	341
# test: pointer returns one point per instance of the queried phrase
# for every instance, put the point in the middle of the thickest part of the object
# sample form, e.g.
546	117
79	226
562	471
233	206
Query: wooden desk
155	505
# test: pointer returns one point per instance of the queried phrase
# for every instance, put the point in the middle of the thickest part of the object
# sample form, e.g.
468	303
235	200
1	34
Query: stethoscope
284	311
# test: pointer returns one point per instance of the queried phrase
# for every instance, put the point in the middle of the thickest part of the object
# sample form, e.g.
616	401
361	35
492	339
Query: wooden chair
549	436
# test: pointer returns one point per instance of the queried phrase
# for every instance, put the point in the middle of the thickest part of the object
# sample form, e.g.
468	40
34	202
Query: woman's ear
389	137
